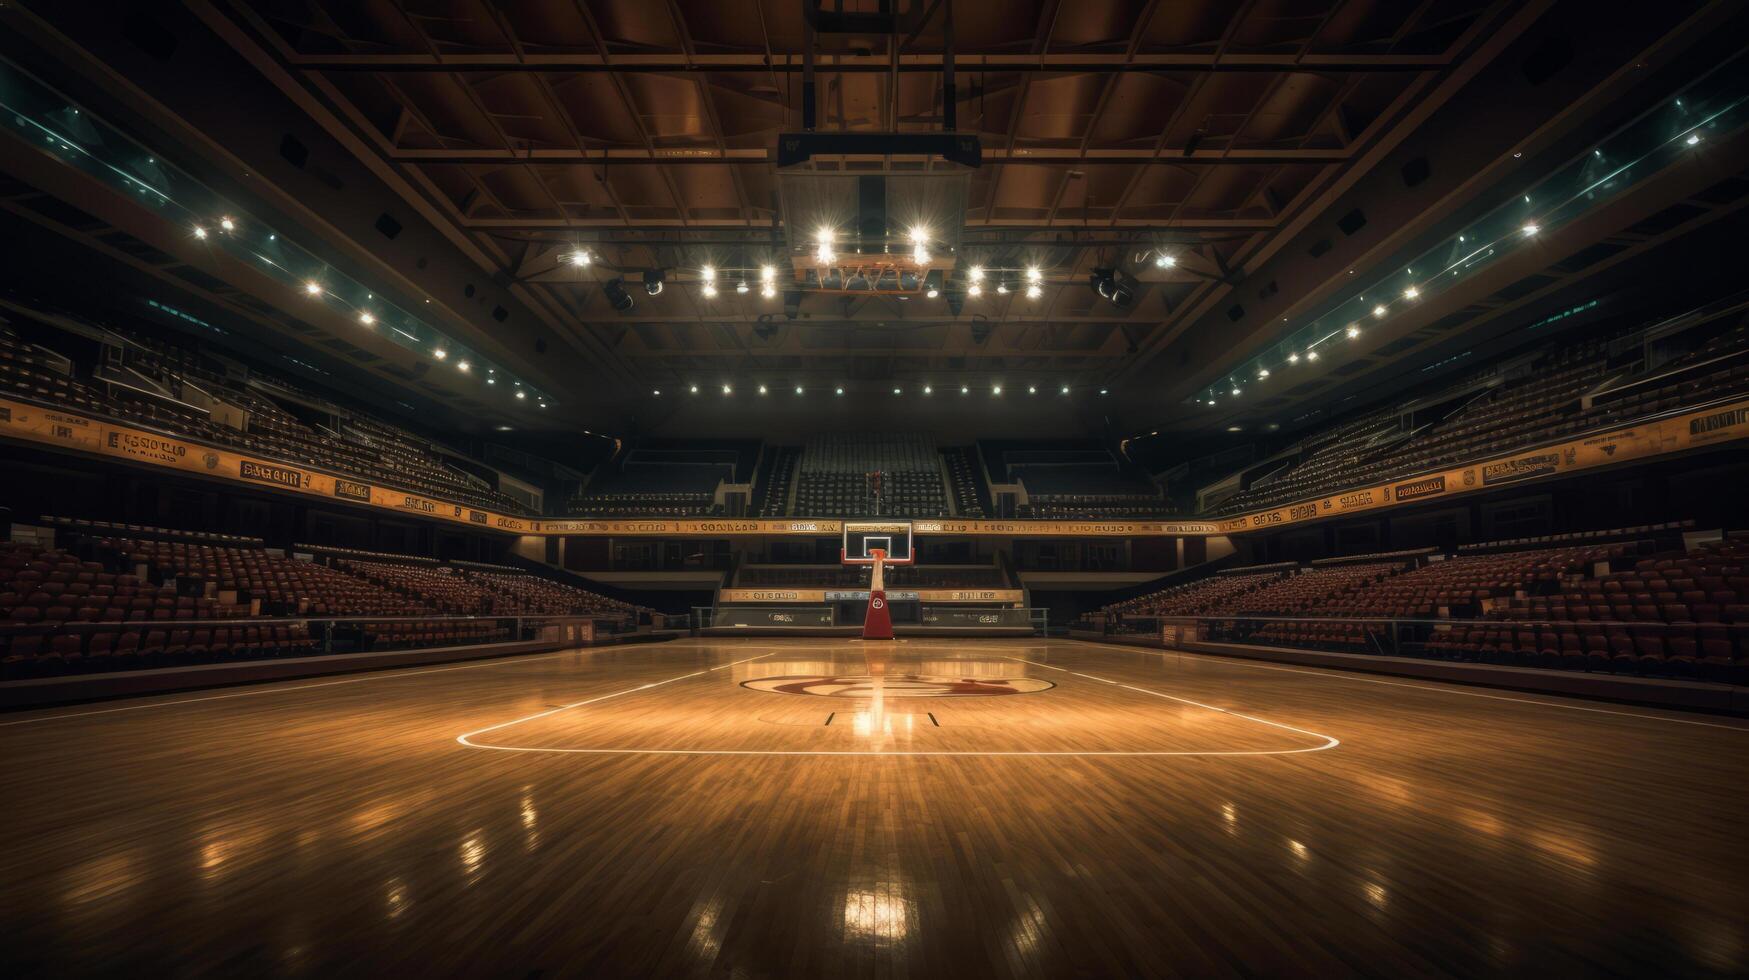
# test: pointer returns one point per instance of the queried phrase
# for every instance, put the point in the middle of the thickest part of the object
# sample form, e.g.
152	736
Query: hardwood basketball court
766	807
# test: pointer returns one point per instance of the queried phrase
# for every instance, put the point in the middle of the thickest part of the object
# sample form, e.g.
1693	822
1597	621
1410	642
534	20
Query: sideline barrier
931	620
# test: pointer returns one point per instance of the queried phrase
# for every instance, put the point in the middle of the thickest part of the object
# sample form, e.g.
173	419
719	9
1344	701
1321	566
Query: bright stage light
1411	293
898	391
710	290
199	232
1032	389
768	290
996	390
976	273
927	390
227	224
708	273
521	395
974	290
367	318
1353	332
578	258
762	389
798	389
656	391
1064	391
932	292
1034	291
694	389
1164	261
1311	355
767	273
919	235
1531	229
742	287
462	365
313	288
728	390
838	391
1379	310
1262	373
1033	274
440	353
1293	358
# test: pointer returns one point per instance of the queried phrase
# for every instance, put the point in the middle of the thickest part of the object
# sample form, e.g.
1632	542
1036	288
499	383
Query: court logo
899	686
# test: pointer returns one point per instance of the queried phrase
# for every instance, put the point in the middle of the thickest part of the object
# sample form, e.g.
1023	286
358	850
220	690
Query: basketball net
878	624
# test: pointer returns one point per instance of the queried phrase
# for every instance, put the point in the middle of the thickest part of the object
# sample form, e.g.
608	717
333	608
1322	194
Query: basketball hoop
878	544
878	623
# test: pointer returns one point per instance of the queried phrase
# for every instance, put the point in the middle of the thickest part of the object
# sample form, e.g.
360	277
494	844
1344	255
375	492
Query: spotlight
578	258
694	389
1002	287
728	390
313	288
1353	331
367	318
653	281
440	353
199	232
1693	138
1064	391
927	390
741	287
708	273
898	391
932	292
1105	391
919	235
1531	229
1294	358
767	273
493	381
462	365
1411	293
974	290
617	297
996	390
227	224
521	395
1033	291
767	290
710	290
657	392
1164	261
798	389
1106	283
965	390
1032	389
976	273
838	391
1311	355
1033	274
1262	373
1379	310
1235	392
762	389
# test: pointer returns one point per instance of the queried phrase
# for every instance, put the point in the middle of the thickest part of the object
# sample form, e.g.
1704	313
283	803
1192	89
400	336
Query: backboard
861	537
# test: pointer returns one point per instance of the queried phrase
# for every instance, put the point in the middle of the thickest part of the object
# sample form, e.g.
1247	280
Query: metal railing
1716	651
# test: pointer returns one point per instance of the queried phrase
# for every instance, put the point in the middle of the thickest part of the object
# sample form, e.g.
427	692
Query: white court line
1329	741
378	674
1337	674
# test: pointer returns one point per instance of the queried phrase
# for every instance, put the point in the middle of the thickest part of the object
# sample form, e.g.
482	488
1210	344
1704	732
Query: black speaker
1352	222
1416	171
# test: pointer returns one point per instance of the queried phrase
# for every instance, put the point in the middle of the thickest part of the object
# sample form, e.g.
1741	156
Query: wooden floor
639	810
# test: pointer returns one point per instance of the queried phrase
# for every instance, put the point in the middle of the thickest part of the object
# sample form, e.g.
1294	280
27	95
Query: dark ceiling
1241	138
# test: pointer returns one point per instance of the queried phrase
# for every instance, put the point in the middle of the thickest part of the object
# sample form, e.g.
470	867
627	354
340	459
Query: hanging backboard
861	538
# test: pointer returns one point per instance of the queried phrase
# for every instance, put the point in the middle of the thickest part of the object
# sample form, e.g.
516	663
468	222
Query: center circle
896	686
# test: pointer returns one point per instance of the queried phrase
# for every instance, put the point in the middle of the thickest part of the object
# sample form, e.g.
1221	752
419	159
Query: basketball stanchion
878	624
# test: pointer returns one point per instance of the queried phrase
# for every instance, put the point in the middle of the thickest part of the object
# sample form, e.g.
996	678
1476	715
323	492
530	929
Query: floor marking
830	717
271	687
466	738
1336	674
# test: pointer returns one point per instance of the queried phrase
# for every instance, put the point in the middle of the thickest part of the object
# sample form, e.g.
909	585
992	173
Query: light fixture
653	281
767	290
965	390
493	381
823	250
1262	373
462	365
919	235
227	224
521	395
710	290
1064	391
974	290
1163	260
1033	274
932	292
440	353
657	392
798	389
578	258
1379	310
920	255
695	389
1033	291
1531	229
1234	428
367	318
1032	389
838	391
1312	355
617	297
741	287
762	389
927	390
728	390
767	273
313	288
1353	331
976	273
199	232
1105	391
1294	358
1411	293
1002	287
996	390
897	391
708	273
1235	392
1693	138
